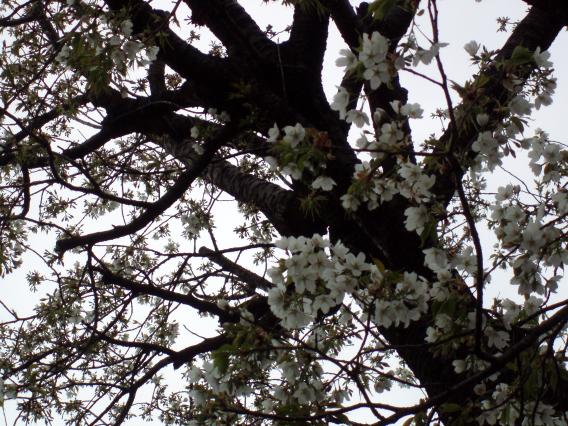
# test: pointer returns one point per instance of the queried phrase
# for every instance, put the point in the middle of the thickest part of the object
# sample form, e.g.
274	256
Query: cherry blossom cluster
493	144
372	57
317	276
407	302
525	230
273	379
113	39
314	279
299	154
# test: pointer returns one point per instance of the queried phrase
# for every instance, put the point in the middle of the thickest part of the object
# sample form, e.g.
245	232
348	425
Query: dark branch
234	27
183	183
108	277
253	281
308	38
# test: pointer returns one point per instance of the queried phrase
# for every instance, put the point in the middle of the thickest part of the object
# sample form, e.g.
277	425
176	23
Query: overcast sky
460	22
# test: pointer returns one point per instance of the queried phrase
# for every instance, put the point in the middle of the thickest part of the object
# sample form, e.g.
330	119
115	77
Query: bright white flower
496	338
485	143
273	133
340	102
340	250
384	314
541	58
436	259
359	118
439	292
532	305
277	301
412	110
346	59
520	106
410	172
416	218
296	264
323	303
501	393
356	265
466	261
325	183
409	282
377	75
294	134
472	47
317	242
405	315
533	237
350	202
426	56
395	105
391	133
432	335
507	192
374	49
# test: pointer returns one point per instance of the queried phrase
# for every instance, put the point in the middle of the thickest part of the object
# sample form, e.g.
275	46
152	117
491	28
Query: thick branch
308	38
346	21
234	27
280	206
212	75
253	281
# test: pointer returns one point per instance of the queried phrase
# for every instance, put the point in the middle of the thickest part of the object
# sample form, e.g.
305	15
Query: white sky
460	22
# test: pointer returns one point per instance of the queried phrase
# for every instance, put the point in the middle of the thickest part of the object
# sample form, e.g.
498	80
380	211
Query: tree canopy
214	241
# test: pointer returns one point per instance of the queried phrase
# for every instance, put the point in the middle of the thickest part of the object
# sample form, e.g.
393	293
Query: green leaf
379	264
380	8
221	357
429	232
518	122
450	407
520	56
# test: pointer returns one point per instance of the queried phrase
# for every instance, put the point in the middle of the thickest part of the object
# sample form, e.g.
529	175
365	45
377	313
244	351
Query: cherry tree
215	241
